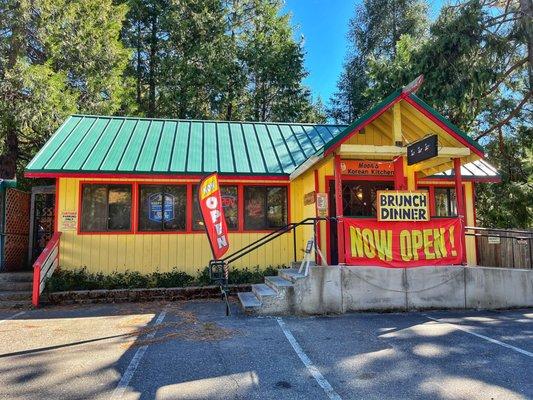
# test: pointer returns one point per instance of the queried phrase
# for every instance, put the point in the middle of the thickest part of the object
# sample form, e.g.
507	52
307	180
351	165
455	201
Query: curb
139	295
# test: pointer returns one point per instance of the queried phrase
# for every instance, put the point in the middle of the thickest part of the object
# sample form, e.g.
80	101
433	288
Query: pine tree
56	58
374	32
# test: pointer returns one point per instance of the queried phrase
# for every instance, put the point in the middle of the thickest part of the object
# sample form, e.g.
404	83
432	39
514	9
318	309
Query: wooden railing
44	267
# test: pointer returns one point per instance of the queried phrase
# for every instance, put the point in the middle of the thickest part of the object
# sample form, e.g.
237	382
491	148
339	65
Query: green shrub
81	279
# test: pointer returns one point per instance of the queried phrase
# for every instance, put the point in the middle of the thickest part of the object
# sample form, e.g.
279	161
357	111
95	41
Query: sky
324	26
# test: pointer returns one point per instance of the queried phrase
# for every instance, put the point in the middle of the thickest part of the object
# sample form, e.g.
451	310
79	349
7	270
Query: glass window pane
94	208
175	205
119	208
453	202
150	208
441	202
197	221
276	207
254	207
230	202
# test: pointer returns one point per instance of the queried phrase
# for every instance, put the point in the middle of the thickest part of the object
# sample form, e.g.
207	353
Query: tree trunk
8	160
9	157
139	68
152	68
526	8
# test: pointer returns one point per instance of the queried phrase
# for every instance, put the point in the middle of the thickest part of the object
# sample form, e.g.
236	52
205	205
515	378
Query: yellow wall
153	252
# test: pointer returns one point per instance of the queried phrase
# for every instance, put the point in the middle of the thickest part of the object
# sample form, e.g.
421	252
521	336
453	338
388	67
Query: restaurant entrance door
358	200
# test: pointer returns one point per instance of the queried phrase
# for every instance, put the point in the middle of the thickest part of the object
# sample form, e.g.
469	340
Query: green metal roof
99	144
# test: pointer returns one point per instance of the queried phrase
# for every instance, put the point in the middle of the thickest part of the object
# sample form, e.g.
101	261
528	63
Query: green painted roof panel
164	149
100	144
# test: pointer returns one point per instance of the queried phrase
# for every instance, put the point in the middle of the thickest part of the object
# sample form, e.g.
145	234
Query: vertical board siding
148	253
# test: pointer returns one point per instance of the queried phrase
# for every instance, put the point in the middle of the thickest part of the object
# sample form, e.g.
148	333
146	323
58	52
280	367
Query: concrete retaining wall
337	289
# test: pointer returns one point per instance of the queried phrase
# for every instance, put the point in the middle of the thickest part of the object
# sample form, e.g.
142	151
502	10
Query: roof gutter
307	164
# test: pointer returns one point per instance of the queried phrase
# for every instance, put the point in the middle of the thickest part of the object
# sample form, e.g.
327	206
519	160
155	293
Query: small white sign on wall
68	221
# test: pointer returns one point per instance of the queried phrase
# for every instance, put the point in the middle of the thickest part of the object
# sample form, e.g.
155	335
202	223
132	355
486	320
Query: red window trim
80	198
134	226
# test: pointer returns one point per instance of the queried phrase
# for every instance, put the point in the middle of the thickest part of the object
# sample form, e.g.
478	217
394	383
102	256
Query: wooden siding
148	253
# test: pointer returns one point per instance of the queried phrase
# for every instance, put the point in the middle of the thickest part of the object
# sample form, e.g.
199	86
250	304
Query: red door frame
345	178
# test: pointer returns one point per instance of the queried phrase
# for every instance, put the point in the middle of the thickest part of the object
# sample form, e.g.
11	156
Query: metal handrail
271	236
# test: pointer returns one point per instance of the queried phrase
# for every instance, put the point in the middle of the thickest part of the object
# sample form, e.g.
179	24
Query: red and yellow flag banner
210	201
403	244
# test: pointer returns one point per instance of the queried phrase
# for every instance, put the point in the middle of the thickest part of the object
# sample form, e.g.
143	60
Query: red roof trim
366	122
152	176
443	126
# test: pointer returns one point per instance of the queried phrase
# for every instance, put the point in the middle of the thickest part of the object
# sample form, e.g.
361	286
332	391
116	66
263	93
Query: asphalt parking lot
192	351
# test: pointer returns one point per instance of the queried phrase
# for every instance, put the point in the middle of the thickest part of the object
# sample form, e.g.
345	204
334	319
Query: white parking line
488	339
12	316
324	384
134	363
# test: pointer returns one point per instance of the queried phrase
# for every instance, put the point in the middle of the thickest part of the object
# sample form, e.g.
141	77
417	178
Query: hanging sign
409	244
309	198
402	205
157	211
211	205
422	150
321	205
367	168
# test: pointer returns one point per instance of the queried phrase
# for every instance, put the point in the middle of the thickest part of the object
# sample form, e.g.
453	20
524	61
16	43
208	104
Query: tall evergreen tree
374	32
56	57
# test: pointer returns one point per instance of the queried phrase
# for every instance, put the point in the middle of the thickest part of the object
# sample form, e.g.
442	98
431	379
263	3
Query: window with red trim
230	203
105	208
265	207
162	208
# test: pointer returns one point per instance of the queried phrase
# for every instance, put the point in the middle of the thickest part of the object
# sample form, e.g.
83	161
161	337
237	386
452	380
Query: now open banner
403	244
210	200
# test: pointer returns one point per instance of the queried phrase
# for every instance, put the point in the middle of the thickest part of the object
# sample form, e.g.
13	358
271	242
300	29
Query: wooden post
339	209
459	195
318	225
399	176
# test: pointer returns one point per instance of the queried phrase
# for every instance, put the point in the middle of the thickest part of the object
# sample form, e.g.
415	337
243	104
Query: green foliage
374	33
81	279
477	70
57	57
510	203
203	59
214	59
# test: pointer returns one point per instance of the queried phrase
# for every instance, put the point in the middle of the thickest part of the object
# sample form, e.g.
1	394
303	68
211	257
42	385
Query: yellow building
125	187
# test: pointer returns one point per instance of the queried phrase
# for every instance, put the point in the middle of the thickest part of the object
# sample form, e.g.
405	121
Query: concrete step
296	264
249	301
14	295
290	274
278	283
15	286
15	304
16	276
261	291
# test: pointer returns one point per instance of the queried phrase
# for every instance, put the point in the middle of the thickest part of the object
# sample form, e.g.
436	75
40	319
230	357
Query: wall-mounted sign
422	150
493	239
210	201
367	168
321	205
68	221
409	244
157	211
402	205
309	198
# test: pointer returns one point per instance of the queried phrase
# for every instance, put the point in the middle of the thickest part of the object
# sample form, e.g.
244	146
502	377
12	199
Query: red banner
403	244
210	201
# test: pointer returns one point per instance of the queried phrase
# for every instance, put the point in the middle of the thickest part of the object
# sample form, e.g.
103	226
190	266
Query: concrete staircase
275	296
15	289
